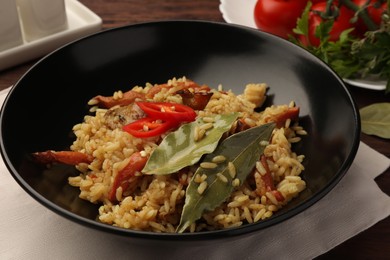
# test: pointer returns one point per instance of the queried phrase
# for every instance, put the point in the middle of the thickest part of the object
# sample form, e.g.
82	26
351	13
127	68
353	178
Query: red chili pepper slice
168	111
148	127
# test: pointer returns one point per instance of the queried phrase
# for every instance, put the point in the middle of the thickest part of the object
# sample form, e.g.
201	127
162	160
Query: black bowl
51	97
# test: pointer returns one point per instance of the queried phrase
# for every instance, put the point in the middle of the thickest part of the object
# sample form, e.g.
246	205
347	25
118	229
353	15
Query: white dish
241	12
81	22
369	84
238	12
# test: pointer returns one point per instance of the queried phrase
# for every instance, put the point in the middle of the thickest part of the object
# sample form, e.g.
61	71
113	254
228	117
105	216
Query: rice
154	203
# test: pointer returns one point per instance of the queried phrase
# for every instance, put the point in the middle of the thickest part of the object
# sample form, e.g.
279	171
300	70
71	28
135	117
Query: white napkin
30	231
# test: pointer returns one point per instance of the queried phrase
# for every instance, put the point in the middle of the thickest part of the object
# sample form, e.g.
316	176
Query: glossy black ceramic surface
52	96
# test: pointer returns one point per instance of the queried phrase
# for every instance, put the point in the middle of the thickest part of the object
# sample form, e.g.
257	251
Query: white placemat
30	231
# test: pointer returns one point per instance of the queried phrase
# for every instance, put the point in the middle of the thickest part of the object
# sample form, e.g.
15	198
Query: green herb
350	56
375	119
179	148
242	150
303	22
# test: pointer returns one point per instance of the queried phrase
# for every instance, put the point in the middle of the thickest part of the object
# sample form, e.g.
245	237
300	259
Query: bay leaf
375	119
243	150
179	148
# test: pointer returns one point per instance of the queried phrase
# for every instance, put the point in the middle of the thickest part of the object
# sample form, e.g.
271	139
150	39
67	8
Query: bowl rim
196	236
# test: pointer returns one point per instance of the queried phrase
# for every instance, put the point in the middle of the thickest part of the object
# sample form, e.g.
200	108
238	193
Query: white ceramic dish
238	12
369	84
81	22
241	12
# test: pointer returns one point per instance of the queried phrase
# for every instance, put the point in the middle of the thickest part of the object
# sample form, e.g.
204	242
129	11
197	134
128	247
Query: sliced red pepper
125	176
148	127
168	111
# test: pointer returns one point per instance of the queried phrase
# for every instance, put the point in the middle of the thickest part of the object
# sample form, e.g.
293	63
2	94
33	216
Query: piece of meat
120	116
196	100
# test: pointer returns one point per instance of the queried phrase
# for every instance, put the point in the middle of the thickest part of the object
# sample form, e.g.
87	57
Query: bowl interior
49	99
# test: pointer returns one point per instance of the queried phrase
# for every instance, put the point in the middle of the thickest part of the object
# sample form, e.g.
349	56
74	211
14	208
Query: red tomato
341	23
376	12
375	9
278	17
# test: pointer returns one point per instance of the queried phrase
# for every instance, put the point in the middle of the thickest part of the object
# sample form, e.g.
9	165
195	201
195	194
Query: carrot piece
128	98
267	177
268	180
127	175
66	157
291	113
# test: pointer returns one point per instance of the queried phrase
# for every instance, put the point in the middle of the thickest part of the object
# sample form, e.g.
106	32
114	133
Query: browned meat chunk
120	116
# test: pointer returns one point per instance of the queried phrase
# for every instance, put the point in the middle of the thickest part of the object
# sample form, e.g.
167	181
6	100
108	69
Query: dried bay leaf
243	150
179	148
375	119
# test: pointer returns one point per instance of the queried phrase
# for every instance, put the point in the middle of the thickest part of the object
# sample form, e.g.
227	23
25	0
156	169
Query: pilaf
154	202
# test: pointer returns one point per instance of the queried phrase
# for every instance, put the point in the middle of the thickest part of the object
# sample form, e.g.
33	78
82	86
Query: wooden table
373	243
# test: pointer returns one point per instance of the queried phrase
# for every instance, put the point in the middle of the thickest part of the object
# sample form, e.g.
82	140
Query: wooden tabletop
373	243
